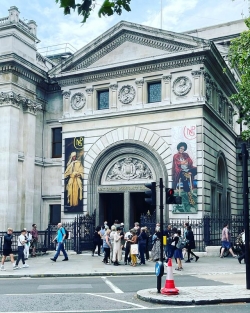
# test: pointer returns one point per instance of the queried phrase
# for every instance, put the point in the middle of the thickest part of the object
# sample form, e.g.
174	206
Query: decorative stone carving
89	90
196	73
78	101
167	78
113	86
126	94
13	99
129	169
139	82
230	115
220	105
182	86
66	94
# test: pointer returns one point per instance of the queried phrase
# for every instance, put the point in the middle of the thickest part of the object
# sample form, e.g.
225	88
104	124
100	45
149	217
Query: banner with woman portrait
184	168
73	175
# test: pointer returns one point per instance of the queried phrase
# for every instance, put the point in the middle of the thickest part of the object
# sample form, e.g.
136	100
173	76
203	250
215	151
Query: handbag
134	248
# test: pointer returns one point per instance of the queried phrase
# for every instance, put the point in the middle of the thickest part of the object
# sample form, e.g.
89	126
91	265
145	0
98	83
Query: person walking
241	238
178	251
60	238
7	250
106	246
28	238
225	241
21	243
190	244
142	238
97	241
34	234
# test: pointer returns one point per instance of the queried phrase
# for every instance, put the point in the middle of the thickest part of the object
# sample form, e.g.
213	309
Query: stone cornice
131	70
11	98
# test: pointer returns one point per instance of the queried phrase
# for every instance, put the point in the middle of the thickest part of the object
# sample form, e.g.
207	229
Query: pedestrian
28	238
117	249
147	243
97	241
21	243
156	249
60	238
240	240
190	244
133	241
137	228
106	246
34	234
178	251
225	241
112	234
7	250
127	237
167	234
102	234
142	240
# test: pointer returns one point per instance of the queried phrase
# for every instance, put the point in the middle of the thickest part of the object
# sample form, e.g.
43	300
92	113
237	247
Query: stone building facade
87	133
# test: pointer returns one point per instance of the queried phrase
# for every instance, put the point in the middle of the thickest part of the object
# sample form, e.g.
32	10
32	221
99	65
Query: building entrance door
138	206
111	207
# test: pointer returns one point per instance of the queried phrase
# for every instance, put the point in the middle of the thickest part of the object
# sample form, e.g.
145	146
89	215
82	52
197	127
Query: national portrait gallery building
85	131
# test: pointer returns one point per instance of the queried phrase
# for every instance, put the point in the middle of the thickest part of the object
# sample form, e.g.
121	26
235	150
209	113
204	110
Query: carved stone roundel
78	101
182	86
126	94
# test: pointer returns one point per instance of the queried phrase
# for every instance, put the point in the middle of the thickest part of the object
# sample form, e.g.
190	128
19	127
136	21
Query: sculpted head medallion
182	86
126	94
78	101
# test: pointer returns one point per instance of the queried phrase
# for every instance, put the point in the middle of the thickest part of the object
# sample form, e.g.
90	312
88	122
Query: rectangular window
57	142
55	214
103	99
154	92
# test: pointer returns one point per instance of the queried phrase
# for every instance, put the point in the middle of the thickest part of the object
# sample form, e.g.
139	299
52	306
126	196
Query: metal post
161	217
246	211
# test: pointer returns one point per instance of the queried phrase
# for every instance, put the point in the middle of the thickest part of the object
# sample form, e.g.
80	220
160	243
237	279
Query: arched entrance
116	181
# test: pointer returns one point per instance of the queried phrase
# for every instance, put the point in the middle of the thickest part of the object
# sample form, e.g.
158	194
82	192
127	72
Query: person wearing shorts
7	250
225	241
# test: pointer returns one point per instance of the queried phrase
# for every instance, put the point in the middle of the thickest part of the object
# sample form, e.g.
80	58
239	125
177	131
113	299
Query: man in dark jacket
7	250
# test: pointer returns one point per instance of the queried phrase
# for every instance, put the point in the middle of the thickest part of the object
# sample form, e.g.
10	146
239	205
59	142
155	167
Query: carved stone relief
126	94
182	86
129	169
78	101
66	94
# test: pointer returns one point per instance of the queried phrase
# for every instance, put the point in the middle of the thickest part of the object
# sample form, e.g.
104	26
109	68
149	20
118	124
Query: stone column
166	88
126	210
66	103
197	85
113	95
9	144
28	174
89	92
139	84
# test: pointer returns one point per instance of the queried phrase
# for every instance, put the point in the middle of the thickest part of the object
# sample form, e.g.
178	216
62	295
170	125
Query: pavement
226	270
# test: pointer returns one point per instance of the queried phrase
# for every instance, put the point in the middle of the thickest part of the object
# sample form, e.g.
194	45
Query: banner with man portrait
73	175
184	168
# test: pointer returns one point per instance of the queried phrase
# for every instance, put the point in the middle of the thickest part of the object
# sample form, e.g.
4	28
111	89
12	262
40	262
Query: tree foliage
239	57
84	7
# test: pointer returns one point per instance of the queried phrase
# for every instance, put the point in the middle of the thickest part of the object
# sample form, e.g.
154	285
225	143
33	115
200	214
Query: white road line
117	300
111	285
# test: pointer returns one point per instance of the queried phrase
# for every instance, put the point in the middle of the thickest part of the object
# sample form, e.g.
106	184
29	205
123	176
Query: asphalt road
97	294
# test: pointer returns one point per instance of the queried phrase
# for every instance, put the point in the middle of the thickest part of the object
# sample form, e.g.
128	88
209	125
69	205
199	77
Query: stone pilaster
90	99
197	84
9	139
127	221
139	84
66	103
166	88
113	96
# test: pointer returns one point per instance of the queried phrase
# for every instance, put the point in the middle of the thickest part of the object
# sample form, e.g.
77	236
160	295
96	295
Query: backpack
239	240
182	242
66	233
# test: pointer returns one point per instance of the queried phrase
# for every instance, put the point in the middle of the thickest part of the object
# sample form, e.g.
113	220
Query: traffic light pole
246	211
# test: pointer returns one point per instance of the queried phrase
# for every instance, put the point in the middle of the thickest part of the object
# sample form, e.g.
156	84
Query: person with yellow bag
133	247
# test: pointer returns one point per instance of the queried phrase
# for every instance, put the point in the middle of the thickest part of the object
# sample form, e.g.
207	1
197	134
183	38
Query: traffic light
171	198
150	195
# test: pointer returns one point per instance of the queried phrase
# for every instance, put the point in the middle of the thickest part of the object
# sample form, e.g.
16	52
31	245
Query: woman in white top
21	243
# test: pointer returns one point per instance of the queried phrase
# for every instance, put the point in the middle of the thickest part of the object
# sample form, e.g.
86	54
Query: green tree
84	7
239	57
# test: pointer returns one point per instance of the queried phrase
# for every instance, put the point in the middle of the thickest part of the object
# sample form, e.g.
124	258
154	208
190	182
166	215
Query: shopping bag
134	249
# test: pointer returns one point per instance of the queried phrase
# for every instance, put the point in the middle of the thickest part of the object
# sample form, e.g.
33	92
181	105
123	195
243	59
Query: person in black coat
97	240
191	244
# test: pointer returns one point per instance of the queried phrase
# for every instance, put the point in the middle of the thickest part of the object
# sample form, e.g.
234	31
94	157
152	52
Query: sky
177	15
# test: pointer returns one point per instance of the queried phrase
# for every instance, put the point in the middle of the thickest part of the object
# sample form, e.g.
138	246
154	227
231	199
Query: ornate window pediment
127	169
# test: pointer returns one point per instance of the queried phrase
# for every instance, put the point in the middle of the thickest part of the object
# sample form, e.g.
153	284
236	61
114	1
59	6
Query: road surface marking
111	285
